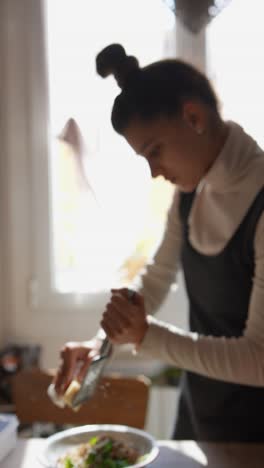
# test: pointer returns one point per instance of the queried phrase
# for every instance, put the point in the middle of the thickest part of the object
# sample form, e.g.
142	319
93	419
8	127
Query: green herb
107	447
121	463
108	463
91	458
93	441
68	463
100	455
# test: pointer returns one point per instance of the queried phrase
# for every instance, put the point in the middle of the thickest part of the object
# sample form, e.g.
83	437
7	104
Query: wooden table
172	455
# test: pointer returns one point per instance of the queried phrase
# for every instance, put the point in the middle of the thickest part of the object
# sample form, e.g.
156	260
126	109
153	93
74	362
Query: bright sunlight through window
107	213
236	57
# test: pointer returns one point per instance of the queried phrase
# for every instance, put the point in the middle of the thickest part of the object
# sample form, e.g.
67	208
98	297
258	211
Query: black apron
219	288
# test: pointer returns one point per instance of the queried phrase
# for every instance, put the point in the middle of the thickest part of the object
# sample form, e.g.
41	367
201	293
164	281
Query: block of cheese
70	393
67	398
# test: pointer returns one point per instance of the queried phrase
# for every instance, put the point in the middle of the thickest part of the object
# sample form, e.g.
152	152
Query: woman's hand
75	360
125	321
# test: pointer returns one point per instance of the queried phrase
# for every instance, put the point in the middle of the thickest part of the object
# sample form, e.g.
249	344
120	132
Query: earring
199	131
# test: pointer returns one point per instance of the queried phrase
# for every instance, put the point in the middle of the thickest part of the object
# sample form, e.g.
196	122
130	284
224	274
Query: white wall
3	182
1	195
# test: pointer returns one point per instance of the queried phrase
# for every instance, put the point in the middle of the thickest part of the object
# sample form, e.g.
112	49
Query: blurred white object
8	434
66	399
55	398
162	411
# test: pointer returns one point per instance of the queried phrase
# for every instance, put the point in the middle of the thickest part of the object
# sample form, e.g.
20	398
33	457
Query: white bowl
58	444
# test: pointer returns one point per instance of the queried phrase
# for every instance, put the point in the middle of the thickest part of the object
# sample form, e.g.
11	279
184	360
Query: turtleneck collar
226	192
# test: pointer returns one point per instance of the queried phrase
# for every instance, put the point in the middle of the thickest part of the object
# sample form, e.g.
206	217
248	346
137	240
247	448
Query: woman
168	113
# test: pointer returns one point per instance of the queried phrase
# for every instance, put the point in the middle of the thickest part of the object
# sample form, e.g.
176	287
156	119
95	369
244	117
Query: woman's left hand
125	321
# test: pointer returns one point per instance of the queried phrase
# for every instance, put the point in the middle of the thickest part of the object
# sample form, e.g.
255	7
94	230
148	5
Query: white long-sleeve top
220	204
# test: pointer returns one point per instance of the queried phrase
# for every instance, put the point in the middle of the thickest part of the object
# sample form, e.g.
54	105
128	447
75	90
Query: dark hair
157	89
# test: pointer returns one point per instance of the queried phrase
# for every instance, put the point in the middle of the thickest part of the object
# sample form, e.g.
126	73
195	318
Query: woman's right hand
75	360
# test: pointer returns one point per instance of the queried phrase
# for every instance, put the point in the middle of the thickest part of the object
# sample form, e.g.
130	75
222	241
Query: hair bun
113	61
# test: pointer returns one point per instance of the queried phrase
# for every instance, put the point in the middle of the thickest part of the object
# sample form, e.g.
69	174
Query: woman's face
176	148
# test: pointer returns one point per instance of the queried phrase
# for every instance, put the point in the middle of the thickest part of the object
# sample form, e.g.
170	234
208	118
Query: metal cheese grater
95	369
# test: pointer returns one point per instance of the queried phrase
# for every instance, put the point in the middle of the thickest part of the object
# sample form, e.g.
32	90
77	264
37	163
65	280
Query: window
106	215
235	64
